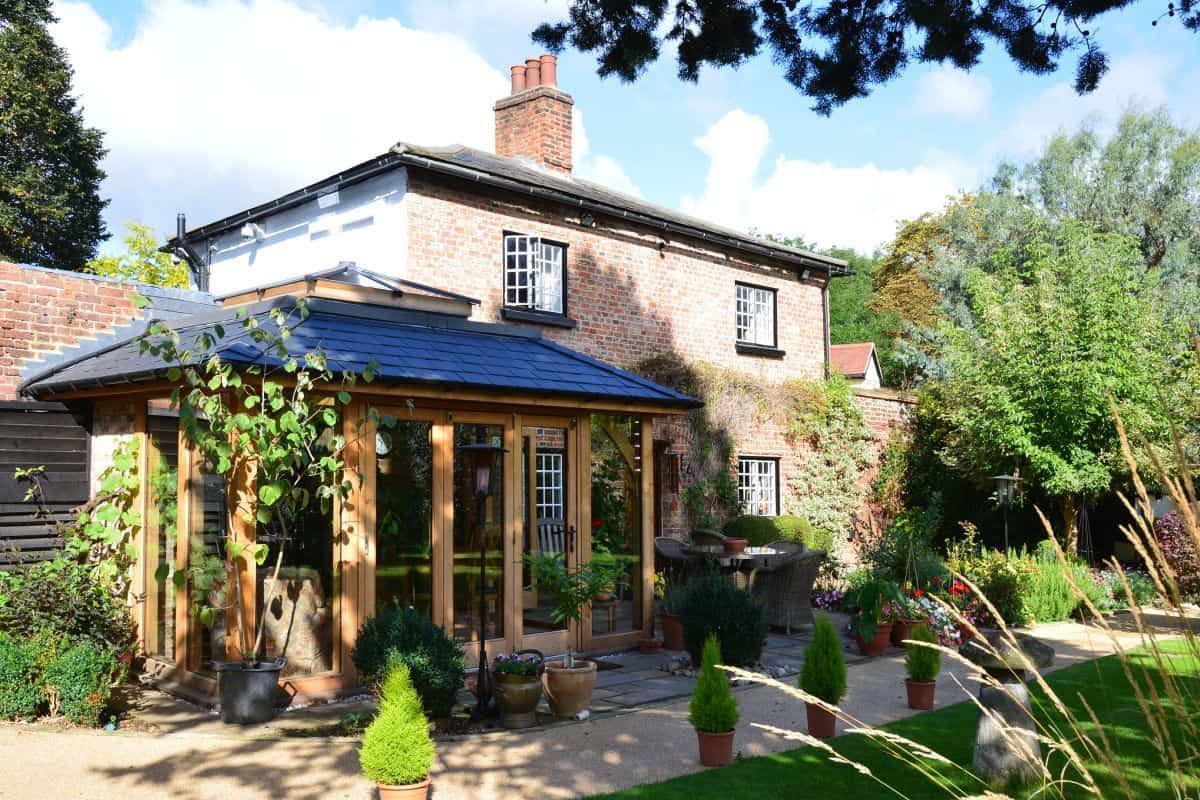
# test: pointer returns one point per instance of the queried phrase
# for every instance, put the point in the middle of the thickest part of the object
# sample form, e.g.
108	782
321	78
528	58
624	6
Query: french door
546	524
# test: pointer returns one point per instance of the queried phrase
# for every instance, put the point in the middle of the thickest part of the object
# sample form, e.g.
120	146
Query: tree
836	52
852	317
49	160
142	261
1054	338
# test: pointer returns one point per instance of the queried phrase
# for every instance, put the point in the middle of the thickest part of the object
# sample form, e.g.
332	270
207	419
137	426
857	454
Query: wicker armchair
670	557
785	588
703	538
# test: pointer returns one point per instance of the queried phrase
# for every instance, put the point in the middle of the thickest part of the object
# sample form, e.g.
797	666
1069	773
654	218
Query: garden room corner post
648	513
144	565
583	544
356	540
242	506
186	527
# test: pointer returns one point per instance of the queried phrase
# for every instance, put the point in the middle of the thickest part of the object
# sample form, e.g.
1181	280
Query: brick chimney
534	121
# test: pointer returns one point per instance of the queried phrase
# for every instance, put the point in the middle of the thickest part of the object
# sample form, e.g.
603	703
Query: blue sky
213	105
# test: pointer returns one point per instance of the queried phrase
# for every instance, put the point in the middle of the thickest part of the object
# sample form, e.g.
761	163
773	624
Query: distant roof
413	348
852	360
516	174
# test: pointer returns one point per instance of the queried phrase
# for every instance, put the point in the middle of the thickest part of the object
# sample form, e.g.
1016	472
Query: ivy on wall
822	424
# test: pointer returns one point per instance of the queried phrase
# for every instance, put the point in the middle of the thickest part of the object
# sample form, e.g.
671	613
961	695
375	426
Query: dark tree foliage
836	51
49	160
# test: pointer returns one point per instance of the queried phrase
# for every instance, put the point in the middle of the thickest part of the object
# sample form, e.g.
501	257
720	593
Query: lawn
950	732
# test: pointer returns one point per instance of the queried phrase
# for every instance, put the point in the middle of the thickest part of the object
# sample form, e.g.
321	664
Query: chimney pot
549	69
533	73
518	78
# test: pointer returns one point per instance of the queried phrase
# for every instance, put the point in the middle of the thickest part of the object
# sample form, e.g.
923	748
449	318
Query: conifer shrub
713	709
923	663
396	748
824	674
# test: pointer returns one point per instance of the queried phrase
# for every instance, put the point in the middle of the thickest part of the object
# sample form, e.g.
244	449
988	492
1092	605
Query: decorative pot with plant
396	751
569	684
734	544
672	624
714	710
910	617
923	663
269	427
823	677
871	624
518	682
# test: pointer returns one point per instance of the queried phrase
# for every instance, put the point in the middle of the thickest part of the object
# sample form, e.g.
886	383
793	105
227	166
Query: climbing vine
830	441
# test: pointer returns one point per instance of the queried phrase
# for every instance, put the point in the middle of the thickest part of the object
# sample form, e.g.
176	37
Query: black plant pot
247	691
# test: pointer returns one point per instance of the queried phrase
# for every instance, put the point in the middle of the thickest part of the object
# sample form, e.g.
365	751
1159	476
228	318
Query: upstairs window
755	317
758	486
534	272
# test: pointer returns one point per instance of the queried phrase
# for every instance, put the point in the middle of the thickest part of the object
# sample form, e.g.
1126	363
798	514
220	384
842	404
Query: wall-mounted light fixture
252	230
587	220
805	274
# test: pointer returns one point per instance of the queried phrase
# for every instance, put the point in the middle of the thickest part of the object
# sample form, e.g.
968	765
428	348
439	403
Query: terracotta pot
735	545
517	697
905	628
877	646
672	628
822	723
920	694
716	749
649	646
569	691
409	791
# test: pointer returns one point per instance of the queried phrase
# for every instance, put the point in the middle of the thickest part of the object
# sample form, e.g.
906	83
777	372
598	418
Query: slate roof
349	272
515	174
852	360
412	348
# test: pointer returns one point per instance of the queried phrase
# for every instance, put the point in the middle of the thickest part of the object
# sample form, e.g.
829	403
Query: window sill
747	349
538	317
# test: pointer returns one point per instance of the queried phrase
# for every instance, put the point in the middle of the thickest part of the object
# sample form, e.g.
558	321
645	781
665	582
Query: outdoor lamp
481	455
1006	486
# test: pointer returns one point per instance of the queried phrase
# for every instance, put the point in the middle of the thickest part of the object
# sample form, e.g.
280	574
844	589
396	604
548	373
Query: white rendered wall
368	225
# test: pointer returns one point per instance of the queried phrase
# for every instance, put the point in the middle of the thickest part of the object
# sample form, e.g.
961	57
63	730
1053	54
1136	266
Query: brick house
510	303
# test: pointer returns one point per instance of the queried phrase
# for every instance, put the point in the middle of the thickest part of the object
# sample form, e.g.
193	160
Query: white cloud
499	19
826	204
597	167
1140	78
214	105
949	92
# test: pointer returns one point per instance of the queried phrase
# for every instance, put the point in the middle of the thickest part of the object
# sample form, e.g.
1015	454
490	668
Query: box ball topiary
713	708
711	606
758	531
402	635
396	748
81	676
824	673
20	678
923	663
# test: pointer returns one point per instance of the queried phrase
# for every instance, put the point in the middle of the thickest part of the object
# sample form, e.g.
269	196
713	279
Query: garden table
748	562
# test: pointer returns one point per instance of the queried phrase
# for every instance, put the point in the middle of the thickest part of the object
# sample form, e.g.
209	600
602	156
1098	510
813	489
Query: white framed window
534	271
758	486
549	498
755	316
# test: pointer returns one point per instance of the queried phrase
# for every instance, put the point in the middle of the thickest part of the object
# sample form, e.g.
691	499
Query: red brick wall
884	410
42	310
536	124
634	294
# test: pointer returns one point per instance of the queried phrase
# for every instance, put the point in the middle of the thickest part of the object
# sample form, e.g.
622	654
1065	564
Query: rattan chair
785	587
671	558
703	538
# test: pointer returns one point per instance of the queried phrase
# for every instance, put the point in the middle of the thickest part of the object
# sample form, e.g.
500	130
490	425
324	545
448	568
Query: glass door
478	555
545	523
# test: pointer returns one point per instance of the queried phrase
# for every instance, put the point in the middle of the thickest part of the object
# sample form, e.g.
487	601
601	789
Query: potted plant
823	677
871	624
910	617
923	663
396	751
518	682
569	684
713	711
668	616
